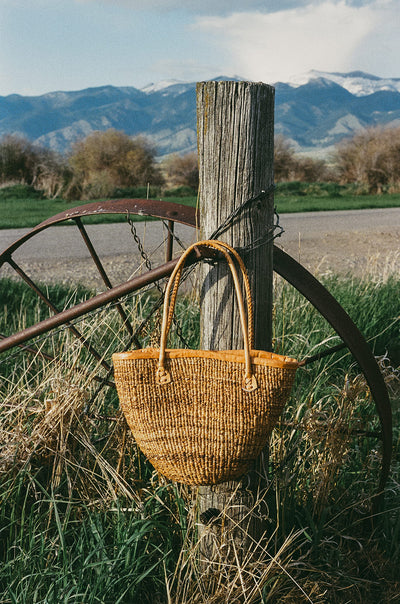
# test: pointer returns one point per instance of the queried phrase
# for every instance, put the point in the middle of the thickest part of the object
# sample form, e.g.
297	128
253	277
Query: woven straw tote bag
200	416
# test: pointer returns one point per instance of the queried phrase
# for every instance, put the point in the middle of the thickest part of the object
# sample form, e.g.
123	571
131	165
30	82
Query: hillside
314	111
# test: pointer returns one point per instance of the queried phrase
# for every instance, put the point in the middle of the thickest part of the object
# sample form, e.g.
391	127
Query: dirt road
344	242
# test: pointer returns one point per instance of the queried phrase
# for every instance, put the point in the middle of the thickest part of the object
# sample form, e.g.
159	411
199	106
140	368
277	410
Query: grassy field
84	519
21	206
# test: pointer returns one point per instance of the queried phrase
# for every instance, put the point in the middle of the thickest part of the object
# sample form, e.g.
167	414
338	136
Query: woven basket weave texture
203	428
202	417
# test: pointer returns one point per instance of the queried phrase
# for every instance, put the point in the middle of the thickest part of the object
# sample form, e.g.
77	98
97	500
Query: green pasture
23	207
84	518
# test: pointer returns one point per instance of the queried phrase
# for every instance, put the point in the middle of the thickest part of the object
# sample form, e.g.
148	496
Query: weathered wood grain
235	144
235	141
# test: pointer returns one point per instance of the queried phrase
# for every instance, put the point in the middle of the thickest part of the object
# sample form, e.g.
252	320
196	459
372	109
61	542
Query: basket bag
202	416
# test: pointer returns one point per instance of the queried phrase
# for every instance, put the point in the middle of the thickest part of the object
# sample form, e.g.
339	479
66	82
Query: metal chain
142	252
146	259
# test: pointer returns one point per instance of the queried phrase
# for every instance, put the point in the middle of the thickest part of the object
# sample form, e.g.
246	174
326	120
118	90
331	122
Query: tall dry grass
84	518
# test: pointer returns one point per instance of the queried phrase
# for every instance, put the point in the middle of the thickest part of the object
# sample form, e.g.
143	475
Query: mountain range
313	110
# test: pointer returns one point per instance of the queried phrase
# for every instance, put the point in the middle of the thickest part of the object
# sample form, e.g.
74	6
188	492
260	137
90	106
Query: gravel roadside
325	242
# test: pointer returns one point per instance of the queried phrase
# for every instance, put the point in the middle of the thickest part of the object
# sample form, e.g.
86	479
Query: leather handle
163	376
211	244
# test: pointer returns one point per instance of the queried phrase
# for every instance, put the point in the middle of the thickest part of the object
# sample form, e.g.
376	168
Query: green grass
23	207
311	203
84	519
318	197
28	212
96	556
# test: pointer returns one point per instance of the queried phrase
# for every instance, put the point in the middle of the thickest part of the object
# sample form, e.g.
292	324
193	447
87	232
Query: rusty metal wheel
143	268
170	214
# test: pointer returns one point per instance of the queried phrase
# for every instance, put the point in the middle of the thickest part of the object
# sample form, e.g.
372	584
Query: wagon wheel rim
317	294
169	213
286	266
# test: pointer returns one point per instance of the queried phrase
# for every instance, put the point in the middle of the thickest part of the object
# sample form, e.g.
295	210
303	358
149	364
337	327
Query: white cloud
333	35
380	52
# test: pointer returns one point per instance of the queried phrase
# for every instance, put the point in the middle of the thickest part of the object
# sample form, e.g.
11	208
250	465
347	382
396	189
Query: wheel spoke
102	271
56	311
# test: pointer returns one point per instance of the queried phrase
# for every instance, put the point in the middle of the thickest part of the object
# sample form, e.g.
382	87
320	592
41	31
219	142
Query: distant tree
182	170
106	160
308	169
284	159
17	159
21	161
51	174
370	159
289	167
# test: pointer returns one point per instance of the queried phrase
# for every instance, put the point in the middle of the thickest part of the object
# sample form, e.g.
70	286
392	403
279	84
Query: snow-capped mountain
164	84
178	86
314	111
356	82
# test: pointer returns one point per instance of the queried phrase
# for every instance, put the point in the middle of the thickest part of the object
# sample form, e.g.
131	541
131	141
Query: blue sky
48	45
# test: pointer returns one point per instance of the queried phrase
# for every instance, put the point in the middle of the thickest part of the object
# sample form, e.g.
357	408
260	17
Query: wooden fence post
235	142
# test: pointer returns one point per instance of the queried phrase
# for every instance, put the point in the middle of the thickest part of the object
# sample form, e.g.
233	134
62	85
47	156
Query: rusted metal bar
57	312
87	306
327	305
102	272
170	240
93	253
324	353
165	210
